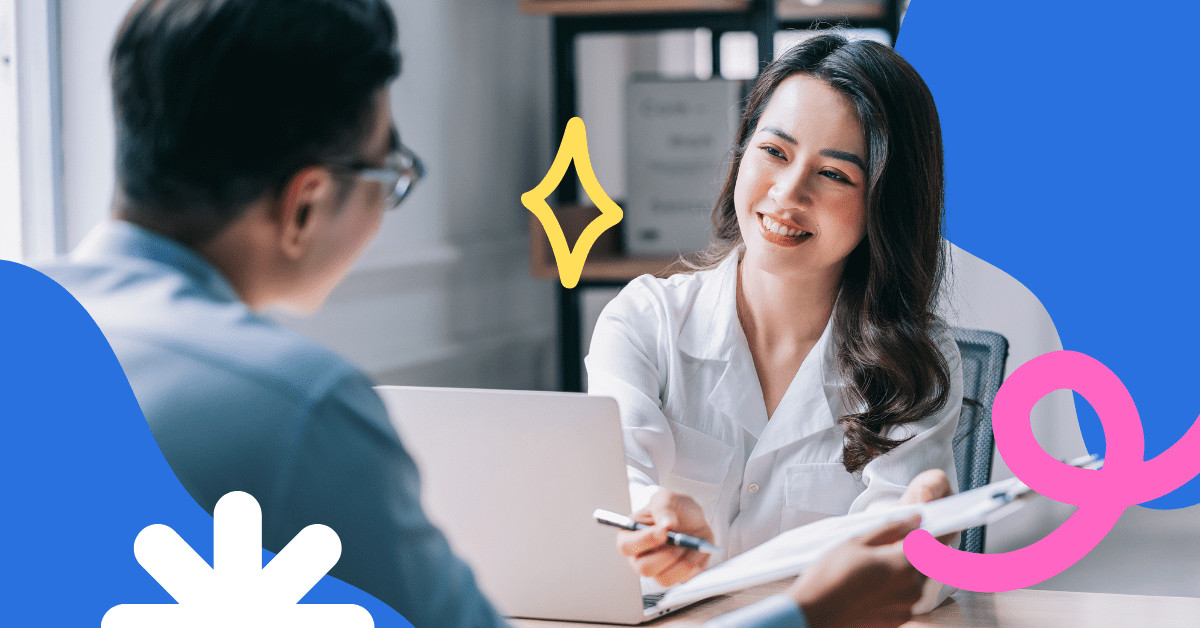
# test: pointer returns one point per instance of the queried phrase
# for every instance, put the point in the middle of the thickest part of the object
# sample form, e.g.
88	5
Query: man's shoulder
159	321
229	395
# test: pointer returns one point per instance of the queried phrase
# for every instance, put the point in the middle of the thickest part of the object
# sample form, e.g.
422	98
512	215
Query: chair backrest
983	357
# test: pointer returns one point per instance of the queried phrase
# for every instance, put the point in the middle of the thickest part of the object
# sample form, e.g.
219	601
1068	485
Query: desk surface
1024	608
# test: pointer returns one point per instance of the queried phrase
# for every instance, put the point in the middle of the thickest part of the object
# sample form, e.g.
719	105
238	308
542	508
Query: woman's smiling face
801	186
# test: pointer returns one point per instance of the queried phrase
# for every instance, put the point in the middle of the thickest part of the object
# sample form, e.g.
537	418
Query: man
255	157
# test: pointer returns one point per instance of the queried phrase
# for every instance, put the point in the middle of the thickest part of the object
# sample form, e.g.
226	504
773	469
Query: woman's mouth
780	234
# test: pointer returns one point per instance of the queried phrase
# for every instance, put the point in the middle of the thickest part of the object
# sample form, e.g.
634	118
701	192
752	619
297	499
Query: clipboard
790	553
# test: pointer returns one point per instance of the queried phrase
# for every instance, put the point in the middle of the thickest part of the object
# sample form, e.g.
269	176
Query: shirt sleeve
777	611
624	363
351	473
931	445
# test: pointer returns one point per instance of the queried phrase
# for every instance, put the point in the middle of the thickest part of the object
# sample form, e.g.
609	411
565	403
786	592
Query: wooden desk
1025	608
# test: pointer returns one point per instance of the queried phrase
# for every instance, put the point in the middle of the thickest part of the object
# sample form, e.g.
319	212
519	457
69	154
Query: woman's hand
647	550
929	485
865	581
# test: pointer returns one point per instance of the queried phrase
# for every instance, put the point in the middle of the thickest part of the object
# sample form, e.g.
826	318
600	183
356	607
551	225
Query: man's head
253	116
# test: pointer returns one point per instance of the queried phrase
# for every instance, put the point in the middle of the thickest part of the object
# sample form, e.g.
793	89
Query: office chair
983	356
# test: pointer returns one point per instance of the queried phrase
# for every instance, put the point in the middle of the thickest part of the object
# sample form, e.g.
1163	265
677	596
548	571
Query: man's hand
865	581
647	550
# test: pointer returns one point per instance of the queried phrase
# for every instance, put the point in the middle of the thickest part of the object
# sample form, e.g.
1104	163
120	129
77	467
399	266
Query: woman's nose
791	188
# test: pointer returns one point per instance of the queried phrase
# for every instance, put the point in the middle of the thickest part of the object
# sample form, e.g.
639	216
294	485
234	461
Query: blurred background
459	288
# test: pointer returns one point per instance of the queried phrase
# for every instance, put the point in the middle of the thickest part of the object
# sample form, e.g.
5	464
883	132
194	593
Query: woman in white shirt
801	373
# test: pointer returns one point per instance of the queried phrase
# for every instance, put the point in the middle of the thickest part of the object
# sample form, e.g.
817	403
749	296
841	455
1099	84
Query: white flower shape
237	591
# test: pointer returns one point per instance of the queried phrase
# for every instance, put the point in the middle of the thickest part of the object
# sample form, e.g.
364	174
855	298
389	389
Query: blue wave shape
83	475
1070	139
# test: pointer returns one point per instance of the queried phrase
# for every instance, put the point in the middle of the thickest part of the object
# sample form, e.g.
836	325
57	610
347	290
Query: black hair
219	102
884	318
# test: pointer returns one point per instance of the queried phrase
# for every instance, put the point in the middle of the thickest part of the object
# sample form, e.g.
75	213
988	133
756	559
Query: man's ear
306	195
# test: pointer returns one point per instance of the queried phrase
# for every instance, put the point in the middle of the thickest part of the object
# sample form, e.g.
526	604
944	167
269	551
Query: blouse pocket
817	490
701	465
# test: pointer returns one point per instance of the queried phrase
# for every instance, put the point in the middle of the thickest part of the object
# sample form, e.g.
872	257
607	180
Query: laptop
512	479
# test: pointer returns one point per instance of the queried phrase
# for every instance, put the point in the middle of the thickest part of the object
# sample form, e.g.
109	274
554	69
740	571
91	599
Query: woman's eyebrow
844	156
774	130
828	152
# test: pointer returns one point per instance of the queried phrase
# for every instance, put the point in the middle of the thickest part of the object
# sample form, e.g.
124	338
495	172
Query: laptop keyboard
651	599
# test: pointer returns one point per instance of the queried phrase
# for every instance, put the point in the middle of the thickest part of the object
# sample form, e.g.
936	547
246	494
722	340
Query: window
30	138
10	159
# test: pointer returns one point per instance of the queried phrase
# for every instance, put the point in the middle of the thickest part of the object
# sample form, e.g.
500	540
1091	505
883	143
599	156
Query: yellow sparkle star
573	148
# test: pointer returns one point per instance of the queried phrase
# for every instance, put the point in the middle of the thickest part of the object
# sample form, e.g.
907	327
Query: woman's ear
308	192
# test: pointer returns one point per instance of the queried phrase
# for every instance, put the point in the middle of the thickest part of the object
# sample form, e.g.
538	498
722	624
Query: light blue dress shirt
238	403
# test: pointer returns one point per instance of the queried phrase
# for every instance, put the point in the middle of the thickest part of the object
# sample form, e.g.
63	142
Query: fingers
689	564
643	516
663	511
648	550
668	564
660	516
653	563
929	485
892	532
903	579
902	583
937	485
636	543
680	513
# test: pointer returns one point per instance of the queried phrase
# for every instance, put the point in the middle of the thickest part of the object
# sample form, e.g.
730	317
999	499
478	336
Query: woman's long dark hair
882	323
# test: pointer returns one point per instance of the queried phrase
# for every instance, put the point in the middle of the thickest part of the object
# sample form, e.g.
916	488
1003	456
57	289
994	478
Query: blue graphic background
1070	136
82	473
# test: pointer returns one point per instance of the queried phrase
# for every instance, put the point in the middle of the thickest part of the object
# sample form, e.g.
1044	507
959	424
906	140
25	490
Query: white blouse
673	355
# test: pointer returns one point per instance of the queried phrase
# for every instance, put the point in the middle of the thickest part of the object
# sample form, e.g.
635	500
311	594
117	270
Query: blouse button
753	488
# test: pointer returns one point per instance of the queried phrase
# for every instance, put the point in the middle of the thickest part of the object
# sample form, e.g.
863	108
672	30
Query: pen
687	541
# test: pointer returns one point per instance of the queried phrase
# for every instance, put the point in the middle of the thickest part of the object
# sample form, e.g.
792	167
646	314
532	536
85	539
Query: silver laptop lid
512	479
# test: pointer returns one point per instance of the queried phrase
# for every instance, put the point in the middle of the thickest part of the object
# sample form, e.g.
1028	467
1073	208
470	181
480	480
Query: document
791	552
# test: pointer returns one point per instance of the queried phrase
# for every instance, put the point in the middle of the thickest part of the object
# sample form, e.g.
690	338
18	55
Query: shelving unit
618	7
607	265
854	13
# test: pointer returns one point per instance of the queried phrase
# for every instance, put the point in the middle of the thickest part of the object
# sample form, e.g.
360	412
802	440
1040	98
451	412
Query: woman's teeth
774	227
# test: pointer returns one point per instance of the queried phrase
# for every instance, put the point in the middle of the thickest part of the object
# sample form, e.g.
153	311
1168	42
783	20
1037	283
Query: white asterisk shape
237	591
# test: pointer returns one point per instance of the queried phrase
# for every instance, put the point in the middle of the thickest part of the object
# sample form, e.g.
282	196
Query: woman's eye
772	151
835	176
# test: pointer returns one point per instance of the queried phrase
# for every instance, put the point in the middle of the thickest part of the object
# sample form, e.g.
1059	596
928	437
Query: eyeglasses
398	175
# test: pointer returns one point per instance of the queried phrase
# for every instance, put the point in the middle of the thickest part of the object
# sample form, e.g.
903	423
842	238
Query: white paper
791	552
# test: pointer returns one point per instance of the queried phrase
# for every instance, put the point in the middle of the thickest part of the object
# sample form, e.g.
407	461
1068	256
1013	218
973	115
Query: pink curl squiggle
1101	495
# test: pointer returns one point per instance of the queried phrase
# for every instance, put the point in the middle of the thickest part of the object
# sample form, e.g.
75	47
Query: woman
801	373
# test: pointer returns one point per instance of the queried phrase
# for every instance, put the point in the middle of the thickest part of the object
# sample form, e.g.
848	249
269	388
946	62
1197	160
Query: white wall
443	296
88	28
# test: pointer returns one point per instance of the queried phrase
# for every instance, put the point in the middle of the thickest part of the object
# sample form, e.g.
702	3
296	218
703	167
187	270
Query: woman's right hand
648	551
